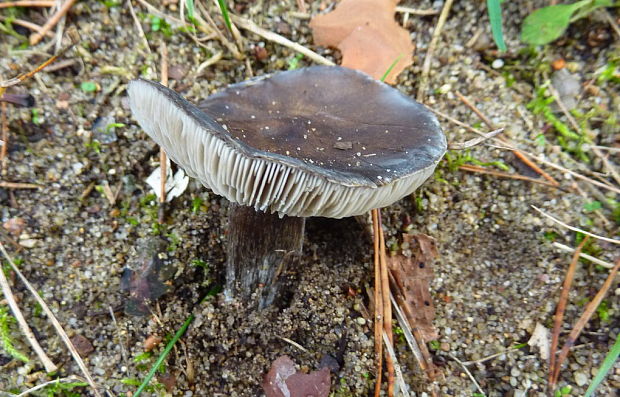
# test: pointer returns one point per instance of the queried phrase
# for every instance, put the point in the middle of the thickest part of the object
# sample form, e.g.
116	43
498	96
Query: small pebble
497	64
580	378
360	320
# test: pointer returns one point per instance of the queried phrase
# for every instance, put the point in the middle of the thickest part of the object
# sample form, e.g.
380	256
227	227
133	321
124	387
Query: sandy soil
498	274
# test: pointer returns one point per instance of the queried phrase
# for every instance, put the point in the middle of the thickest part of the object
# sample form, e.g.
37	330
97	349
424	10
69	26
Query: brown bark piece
413	276
367	35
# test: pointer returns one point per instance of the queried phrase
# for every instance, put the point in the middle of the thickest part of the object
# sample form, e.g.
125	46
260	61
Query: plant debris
367	35
283	380
412	274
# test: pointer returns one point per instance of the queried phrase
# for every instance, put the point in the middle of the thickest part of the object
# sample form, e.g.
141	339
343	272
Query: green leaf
592	206
224	10
548	23
495	16
607	366
88	86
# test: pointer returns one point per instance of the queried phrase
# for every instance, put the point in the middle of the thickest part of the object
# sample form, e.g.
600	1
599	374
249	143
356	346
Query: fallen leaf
541	338
368	36
413	275
82	345
283	380
15	226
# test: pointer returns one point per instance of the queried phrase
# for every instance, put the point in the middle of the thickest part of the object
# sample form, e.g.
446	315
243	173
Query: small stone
360	320
580	378
445	346
151	342
498	63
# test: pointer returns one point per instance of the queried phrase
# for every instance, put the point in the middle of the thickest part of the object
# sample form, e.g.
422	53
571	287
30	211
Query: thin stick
163	160
18	185
23	325
500	174
37	36
490	357
5	138
387	306
516	151
293	343
583	320
590	258
475	109
28	3
468	373
611	22
426	67
136	22
473	142
415	11
68	379
411	341
403	390
276	38
27	25
378	304
50	315
559	311
576	229
72	33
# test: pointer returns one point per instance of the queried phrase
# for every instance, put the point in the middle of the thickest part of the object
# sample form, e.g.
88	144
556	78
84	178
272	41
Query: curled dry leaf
283	380
412	275
367	35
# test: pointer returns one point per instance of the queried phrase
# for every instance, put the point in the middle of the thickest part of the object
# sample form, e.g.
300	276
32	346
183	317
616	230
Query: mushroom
320	141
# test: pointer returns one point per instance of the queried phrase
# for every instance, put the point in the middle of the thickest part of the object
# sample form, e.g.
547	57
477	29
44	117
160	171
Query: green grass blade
607	365
495	16
164	354
224	9
387	72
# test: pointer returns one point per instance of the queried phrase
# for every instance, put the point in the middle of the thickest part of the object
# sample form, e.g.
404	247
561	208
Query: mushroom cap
319	141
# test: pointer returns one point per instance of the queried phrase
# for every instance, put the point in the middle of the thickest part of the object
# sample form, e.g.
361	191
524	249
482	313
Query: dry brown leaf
283	380
413	276
367	35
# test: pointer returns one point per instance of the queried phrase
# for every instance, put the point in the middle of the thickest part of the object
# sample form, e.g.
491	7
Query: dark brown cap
320	141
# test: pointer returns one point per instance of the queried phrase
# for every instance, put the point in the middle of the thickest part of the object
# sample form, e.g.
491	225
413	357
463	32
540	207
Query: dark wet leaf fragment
145	275
412	275
283	380
82	345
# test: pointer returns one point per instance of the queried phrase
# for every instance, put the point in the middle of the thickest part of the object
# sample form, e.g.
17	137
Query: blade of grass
224	10
607	365
164	354
495	16
387	72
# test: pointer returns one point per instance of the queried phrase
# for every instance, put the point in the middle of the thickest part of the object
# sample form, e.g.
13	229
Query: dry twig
18	185
276	38
583	320
520	154
559	312
28	3
50	315
4	125
378	305
385	300
163	160
590	258
415	11
23	325
136	22
576	229
426	66
468	373
500	174
62	11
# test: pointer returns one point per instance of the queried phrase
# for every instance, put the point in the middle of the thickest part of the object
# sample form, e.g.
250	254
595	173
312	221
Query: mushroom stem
261	247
